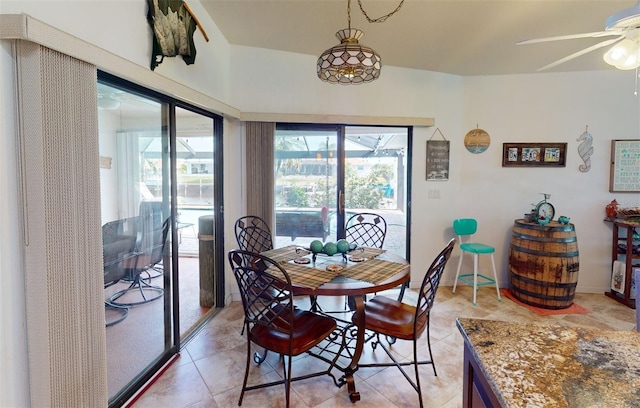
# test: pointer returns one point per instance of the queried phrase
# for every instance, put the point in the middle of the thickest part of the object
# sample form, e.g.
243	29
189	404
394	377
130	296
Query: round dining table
357	289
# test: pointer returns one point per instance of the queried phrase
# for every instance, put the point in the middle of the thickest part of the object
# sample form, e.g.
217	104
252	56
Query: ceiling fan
623	25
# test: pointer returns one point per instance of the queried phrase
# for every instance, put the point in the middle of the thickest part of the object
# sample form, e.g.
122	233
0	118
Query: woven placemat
373	271
285	254
365	252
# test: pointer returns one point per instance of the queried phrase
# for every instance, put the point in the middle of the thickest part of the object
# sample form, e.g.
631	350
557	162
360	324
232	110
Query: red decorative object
612	208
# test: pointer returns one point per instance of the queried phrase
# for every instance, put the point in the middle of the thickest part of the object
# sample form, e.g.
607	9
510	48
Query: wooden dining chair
397	320
253	234
272	322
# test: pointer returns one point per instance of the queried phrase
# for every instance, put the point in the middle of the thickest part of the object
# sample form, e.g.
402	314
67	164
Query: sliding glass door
326	173
196	182
160	179
136	222
306	184
376	179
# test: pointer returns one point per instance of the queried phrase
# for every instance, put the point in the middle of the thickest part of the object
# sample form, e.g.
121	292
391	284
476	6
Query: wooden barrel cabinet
544	264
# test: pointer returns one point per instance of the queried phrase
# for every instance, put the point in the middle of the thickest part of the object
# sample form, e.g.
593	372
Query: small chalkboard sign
438	160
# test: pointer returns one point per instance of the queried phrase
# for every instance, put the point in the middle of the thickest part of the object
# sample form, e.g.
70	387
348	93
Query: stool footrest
485	279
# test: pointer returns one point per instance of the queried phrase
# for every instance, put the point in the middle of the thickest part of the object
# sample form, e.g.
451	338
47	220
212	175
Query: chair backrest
465	226
152	238
118	242
429	287
161	238
253	234
265	290
366	230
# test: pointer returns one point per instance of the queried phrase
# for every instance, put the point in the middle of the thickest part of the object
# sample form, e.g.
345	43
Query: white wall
121	27
550	108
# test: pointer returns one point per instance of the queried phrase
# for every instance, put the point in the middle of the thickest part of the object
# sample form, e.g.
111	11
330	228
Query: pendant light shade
349	62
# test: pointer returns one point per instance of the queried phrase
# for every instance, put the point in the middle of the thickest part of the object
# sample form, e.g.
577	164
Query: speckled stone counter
524	365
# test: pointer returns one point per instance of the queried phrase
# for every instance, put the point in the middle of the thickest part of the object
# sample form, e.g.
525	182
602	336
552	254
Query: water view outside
195	184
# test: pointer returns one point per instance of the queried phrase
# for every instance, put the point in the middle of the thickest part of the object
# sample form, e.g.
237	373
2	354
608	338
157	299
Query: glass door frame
172	318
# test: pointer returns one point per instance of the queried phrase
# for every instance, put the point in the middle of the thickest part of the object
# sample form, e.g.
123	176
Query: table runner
286	254
373	271
308	276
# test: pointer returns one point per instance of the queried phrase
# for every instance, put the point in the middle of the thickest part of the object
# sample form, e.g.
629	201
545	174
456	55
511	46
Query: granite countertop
556	366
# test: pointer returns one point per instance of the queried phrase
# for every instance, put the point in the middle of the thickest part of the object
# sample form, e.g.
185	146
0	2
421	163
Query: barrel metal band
545	253
543	239
542	284
539	296
538	227
545	306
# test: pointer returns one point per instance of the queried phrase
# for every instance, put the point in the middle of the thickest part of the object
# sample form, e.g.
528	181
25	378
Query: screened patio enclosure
325	174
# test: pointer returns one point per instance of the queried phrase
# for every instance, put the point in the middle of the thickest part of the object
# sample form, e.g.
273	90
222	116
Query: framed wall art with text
625	166
534	154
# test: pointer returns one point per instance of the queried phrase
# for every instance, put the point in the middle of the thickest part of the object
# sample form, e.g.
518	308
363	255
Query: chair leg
433	363
315	307
122	310
475	277
415	365
495	277
401	294
455	281
259	358
246	371
138	284
287	379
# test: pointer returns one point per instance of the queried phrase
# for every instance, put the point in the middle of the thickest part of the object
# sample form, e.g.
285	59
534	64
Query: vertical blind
260	168
58	138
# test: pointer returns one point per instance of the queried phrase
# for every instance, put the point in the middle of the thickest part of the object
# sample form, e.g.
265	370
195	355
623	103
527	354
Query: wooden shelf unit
631	260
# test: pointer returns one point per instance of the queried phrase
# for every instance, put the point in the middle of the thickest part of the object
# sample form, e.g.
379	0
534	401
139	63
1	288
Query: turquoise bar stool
464	229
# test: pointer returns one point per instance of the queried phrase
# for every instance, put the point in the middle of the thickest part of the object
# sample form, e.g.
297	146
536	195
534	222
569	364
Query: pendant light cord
379	19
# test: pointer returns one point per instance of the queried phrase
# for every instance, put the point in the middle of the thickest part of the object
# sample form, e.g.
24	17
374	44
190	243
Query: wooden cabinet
477	393
625	248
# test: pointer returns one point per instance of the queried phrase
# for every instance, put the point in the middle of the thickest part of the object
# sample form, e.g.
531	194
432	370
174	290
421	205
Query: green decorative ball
316	246
330	248
343	246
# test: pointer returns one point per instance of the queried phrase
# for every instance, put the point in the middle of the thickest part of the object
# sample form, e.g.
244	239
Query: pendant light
351	62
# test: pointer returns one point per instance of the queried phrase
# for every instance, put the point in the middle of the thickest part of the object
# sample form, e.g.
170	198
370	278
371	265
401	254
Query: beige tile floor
210	368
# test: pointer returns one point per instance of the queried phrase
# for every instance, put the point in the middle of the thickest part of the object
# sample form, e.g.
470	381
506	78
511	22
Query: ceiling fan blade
594	34
581	52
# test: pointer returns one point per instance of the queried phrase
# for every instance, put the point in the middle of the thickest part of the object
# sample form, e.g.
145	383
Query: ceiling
473	37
